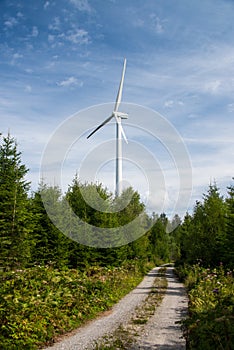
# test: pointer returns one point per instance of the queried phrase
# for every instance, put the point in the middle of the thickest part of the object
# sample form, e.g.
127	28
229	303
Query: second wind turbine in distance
119	133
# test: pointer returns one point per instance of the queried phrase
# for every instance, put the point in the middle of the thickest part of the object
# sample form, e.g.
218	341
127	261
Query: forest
40	267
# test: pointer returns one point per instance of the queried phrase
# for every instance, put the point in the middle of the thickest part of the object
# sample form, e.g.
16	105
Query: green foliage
113	213
84	198
207	237
160	239
50	245
15	218
39	303
203	235
210	324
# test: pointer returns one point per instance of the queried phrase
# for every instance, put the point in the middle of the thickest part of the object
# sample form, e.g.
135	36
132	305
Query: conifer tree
204	234
229	246
50	244
159	238
15	217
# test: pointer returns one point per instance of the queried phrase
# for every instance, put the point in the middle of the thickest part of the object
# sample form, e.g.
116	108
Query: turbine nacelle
120	115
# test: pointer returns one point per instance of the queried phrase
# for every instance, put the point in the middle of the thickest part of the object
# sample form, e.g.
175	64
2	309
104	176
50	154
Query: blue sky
61	57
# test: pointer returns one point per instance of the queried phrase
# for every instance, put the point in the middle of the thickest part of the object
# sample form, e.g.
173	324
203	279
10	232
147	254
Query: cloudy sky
62	57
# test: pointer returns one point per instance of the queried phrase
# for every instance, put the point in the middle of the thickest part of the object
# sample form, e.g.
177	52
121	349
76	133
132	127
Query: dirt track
163	330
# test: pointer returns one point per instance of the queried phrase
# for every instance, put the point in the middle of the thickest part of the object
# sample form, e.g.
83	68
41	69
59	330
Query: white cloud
28	88
82	5
75	36
15	57
20	15
51	38
157	23
56	24
35	32
11	22
78	36
169	103
138	22
71	81
46	4
230	107
5	102
172	103
213	86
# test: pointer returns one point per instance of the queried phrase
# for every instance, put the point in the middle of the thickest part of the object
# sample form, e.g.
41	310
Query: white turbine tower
119	133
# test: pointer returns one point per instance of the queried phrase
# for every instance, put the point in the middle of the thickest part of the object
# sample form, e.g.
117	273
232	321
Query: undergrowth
37	304
210	324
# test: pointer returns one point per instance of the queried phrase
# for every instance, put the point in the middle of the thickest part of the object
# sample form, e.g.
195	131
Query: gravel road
163	330
160	332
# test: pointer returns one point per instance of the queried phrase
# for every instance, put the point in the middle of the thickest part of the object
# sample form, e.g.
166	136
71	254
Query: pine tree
15	217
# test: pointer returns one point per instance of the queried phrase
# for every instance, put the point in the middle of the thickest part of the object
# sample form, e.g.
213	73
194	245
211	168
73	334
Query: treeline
207	235
28	237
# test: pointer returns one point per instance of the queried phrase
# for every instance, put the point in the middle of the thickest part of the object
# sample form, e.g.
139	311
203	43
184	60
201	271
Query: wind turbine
119	133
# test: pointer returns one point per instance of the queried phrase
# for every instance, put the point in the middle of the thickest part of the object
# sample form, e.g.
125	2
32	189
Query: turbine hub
120	115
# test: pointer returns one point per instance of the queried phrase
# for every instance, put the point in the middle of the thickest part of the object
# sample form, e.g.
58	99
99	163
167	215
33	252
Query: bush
210	324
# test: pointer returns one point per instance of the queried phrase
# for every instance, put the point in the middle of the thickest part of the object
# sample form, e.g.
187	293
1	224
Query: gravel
160	332
163	331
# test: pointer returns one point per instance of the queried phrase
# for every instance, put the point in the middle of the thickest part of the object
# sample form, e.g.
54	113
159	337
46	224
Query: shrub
210	324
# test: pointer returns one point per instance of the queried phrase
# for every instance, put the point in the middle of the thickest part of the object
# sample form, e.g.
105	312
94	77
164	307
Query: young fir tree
214	223
205	236
15	218
50	244
159	238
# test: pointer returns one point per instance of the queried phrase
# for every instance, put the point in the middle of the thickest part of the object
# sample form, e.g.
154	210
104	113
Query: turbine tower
119	134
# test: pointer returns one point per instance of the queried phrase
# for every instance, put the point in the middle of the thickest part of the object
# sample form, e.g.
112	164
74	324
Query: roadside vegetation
210	324
40	303
206	266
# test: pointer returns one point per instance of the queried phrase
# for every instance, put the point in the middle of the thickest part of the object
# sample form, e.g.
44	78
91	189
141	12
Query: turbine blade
123	133
121	128
119	95
100	126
